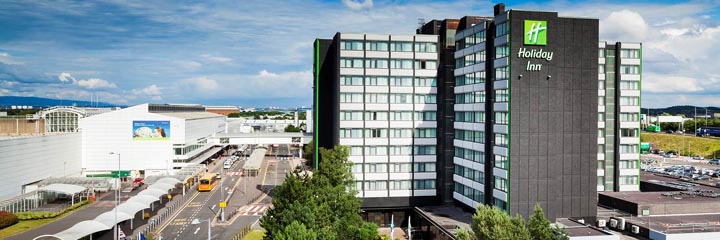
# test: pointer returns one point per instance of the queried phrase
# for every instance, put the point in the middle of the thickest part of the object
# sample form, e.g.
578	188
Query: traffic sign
122	173
223	204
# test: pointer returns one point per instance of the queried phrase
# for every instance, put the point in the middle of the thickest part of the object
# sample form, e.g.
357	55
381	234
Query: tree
490	223
540	228
292	128
321	203
463	234
234	115
296	231
309	150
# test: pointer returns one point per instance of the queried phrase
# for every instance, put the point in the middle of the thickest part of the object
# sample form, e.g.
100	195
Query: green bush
7	219
45	214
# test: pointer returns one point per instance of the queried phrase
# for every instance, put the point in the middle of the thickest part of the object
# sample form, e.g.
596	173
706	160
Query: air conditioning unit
613	223
635	229
601	223
621	223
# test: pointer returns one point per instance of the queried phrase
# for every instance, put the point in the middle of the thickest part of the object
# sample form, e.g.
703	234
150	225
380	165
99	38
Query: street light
198	221
117	196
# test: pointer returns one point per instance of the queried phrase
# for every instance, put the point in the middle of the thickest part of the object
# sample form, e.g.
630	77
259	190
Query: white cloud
152	90
4	54
220	59
188	65
95	83
66	77
202	83
626	25
157	98
358	4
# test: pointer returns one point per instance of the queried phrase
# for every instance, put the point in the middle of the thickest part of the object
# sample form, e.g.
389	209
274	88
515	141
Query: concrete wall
21	126
684	236
28	160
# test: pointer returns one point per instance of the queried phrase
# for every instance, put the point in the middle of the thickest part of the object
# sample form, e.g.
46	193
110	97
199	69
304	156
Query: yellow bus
207	182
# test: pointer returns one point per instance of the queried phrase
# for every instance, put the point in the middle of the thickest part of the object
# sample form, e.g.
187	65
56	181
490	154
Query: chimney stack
499	9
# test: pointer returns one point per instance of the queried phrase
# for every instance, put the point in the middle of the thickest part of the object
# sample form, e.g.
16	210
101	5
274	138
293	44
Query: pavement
247	199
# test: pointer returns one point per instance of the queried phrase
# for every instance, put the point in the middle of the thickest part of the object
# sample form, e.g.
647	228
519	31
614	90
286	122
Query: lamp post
117	197
198	221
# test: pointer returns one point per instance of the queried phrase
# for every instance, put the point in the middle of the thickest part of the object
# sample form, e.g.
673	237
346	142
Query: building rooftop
10	137
191	115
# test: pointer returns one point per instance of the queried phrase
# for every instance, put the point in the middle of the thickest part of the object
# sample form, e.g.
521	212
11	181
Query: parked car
698	157
714	162
137	182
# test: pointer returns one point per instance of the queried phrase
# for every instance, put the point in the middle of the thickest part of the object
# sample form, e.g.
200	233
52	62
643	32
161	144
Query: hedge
43	215
7	219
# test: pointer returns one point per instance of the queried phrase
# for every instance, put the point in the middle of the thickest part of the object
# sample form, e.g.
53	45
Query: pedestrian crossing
234	173
254	210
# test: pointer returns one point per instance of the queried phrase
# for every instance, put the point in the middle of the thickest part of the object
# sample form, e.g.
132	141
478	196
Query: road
248	205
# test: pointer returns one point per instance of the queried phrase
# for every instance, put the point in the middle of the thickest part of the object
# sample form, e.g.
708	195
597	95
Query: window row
502	73
401	98
469	173
381	63
629	69
383	133
393	116
387	81
393	167
630	53
501	161
629	101
383	46
470	78
474	194
501	139
471	40
470	97
472	117
501	183
629	117
628	164
394	185
629	148
470	59
469	154
470	136
502	51
502	118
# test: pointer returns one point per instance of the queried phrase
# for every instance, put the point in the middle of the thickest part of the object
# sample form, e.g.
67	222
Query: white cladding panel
27	160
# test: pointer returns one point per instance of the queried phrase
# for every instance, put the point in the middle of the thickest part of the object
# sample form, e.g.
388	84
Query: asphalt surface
245	207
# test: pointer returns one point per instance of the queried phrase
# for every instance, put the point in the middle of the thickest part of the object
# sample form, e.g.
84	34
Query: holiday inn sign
535	32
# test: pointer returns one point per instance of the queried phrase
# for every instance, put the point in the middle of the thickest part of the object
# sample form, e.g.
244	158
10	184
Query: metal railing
162	215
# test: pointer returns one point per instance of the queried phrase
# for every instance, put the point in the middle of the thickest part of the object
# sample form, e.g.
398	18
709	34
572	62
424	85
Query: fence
243	232
162	215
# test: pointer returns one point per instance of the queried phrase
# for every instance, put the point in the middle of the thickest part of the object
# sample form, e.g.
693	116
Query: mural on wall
151	130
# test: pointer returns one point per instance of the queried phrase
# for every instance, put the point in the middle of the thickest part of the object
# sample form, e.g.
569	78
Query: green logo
535	32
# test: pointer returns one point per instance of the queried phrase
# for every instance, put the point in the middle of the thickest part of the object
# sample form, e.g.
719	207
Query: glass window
376	46
400	167
628	180
502	51
425	64
502	95
351	80
502	73
629	148
351	133
424	184
351	63
601	53
376	133
426	116
357	168
401	98
425	98
426	47
401	116
376	63
628	164
400	150
425	82
376	116
351	45
470	135
601	84
601	69
376	98
629	132
630	53
376	81
400	185
401	133
629	85
401	64
424	167
501	29
500	183
629	69
401	46
425	133
351	97
601	148
401	81
501	139
375	185
351	116
501	161
629	117
629	101
468	154
425	150
376	151
356	151
501	118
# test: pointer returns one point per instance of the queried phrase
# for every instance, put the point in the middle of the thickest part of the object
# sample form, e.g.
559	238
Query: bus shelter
254	163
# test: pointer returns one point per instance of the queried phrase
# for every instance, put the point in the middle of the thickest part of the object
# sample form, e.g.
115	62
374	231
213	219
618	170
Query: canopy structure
254	162
82	229
63	188
125	211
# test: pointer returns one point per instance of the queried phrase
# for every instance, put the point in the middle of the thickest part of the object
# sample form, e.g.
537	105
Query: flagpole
409	229
392	227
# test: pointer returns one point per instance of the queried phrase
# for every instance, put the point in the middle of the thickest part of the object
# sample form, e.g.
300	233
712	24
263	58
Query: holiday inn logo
535	32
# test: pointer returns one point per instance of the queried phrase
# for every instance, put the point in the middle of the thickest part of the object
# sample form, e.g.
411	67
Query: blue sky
259	53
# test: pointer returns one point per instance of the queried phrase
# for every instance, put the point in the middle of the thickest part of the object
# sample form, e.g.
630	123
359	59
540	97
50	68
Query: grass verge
255	235
26	225
687	145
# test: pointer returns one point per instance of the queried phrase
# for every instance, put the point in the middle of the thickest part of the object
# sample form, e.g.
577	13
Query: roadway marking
254	209
196	230
213	207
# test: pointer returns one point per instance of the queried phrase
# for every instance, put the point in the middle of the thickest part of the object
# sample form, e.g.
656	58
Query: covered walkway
43	195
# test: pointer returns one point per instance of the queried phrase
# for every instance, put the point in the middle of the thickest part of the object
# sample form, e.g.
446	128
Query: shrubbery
7	219
43	215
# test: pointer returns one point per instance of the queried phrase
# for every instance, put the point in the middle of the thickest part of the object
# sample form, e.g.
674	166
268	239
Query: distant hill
687	111
7	101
